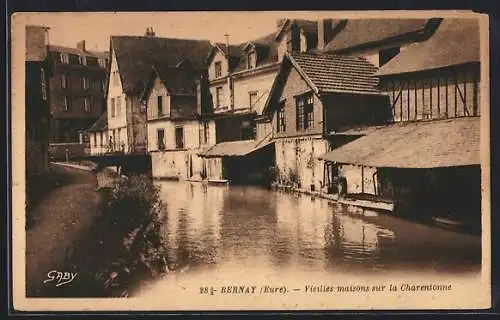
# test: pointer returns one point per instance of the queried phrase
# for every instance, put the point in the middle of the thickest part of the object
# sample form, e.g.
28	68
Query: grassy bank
123	245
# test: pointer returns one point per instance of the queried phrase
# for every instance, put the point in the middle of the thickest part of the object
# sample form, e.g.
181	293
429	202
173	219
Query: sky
67	29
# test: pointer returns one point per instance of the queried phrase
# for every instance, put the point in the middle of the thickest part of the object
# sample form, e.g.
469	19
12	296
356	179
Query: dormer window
64	57
102	63
251	60
83	60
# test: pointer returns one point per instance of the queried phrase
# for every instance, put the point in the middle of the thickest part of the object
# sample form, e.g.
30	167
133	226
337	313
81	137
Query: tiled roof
88	53
456	41
137	54
235	148
358	32
101	124
428	144
234	50
337	73
36	49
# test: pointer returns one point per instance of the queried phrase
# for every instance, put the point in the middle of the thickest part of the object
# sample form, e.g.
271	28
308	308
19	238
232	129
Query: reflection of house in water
428	159
192	229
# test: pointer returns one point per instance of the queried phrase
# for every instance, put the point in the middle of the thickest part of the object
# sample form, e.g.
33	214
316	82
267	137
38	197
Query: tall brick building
77	88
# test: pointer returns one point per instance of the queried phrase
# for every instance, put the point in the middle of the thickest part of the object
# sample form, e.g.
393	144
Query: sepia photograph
250	161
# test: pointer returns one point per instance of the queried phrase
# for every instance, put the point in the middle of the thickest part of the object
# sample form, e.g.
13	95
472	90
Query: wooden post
456	85
446	95
439	97
362	179
474	94
408	97
416	97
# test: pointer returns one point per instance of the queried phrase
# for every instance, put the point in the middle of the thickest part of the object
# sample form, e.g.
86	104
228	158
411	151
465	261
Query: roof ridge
160	38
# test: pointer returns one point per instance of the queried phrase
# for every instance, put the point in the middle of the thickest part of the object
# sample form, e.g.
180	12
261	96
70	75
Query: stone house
176	131
240	78
312	95
37	100
132	58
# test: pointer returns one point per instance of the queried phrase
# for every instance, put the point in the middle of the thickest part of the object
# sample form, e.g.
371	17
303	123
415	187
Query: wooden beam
415	92
408	98
430	96
446	95
474	94
439	97
455	87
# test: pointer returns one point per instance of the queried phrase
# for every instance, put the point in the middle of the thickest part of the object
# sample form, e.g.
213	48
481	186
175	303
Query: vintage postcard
176	161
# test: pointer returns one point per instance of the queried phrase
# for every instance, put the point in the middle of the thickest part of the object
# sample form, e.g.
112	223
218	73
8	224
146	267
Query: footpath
61	218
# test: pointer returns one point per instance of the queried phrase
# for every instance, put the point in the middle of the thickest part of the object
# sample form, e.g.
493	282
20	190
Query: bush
125	244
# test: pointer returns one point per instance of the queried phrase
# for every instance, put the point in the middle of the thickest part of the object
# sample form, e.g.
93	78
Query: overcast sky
68	28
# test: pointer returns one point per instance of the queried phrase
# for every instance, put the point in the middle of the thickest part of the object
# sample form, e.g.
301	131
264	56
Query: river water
243	228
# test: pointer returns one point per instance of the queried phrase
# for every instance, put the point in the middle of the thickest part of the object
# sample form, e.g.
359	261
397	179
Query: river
213	229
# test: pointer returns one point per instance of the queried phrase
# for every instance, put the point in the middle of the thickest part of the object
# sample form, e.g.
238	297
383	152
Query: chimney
325	33
81	45
150	32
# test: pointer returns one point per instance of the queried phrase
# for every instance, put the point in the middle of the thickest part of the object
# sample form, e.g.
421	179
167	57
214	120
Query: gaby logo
59	277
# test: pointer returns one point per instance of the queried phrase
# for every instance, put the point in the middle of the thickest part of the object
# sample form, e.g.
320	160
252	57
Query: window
86	105
305	114
247	130
102	63
218	97
252	98
82	60
179	138
113	107
95	139
218	69
118	106
85	83
66	104
204	132
280	116
250	60
160	139
64	81
64	57
159	104
43	84
102	138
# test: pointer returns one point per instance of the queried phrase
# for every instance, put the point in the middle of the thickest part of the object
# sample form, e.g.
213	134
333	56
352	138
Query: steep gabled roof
178	81
136	55
362	32
455	42
235	53
101	124
327	73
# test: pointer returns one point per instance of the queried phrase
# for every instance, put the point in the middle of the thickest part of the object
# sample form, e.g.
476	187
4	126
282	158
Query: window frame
179	138
64	57
218	69
281	117
118	105
159	106
66	103
113	108
250	94
304	107
218	96
85	83
43	84
160	143
87	107
64	81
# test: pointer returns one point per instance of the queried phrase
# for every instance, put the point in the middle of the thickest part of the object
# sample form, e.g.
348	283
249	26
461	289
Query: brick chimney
150	32
325	32
81	45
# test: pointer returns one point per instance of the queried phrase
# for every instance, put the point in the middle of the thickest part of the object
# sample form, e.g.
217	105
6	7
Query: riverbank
101	228
60	219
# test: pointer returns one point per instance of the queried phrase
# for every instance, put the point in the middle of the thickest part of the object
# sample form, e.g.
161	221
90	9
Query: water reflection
211	226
